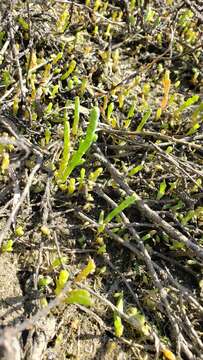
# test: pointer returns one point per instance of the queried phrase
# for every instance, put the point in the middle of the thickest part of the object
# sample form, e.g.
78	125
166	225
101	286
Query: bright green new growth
118	326
71	68
76	116
7	246
123	205
110	110
162	189
84	145
135	170
61	281
144	120
192	100
79	296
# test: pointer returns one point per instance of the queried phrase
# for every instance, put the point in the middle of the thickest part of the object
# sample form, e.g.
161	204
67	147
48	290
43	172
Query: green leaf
54	91
101	250
110	110
79	296
123	205
162	189
6	77
84	145
57	57
88	269
144	120
135	170
59	261
76	116
61	281
7	247
131	111
134	314
62	22
188	217
193	129
118	326
47	135
44	281
192	100
71	68
23	23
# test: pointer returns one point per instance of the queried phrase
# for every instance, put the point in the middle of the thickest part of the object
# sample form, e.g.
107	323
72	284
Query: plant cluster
101	113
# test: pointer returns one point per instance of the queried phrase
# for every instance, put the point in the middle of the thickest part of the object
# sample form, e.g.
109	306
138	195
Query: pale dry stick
184	291
193	334
8	92
31	39
15	210
72	251
39	66
134	295
186	164
132	224
16	189
38	264
148	133
132	146
58	250
172	41
3	49
174	162
2	210
146	210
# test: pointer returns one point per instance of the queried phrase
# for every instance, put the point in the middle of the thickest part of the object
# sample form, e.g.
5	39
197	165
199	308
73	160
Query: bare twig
15	210
15	54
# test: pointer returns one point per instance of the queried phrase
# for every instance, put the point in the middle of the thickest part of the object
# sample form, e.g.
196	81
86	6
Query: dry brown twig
16	208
